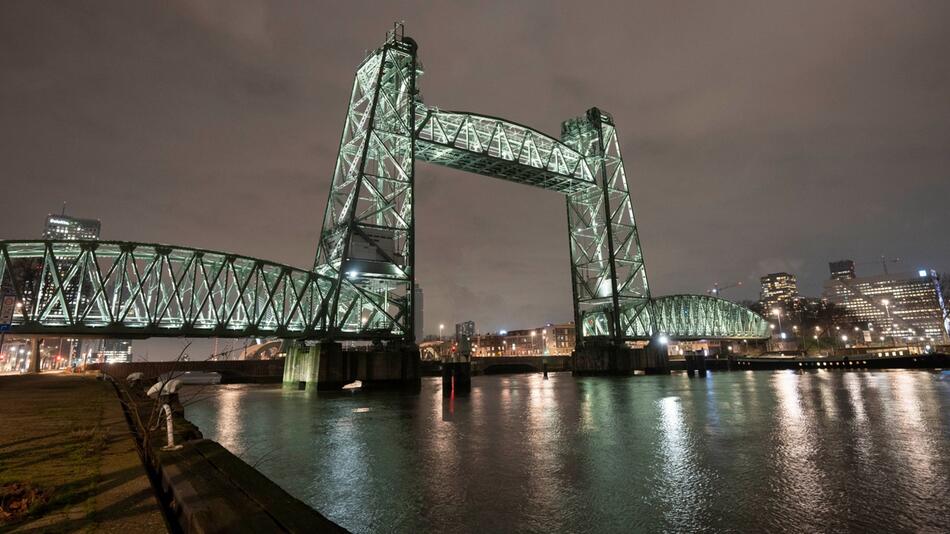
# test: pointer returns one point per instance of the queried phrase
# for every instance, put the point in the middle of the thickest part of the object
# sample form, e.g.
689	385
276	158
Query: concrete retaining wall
207	489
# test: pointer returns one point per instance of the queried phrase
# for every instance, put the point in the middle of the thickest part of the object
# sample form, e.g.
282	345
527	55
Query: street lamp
778	313
441	327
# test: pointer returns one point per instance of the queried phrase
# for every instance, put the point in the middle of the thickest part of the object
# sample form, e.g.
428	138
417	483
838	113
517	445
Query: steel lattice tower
366	243
609	280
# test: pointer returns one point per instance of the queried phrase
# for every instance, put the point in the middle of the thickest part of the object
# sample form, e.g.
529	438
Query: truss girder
366	244
496	147
114	288
704	317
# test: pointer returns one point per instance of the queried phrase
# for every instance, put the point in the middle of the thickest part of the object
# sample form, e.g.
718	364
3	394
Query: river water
735	451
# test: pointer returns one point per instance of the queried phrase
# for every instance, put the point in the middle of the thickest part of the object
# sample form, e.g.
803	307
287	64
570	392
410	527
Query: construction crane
883	261
717	289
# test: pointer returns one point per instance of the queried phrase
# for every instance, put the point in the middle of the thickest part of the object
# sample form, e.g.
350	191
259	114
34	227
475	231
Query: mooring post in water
456	378
690	364
544	369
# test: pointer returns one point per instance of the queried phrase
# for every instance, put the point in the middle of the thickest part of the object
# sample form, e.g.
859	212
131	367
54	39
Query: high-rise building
71	228
418	324
900	307
841	269
65	227
58	227
466	329
779	290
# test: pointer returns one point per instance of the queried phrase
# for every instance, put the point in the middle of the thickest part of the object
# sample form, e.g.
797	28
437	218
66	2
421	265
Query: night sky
758	136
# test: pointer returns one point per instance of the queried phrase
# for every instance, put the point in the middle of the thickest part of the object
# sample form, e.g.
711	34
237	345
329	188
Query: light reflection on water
823	450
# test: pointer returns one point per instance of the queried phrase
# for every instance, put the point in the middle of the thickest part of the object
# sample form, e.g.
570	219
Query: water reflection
825	450
798	488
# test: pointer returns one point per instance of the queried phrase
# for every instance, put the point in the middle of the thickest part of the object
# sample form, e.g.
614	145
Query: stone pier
326	366
604	358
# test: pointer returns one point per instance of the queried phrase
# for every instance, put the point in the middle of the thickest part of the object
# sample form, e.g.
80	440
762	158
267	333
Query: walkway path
67	436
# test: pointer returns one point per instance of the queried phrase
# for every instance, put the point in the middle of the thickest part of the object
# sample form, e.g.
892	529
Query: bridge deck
503	149
124	289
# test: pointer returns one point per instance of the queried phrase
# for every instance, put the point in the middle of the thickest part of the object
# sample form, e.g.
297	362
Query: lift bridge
361	283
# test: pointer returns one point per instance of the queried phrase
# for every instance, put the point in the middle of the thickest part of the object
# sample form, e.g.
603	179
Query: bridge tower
609	279
366	244
611	293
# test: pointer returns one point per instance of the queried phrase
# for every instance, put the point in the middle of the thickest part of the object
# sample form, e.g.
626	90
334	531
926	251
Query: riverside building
904	307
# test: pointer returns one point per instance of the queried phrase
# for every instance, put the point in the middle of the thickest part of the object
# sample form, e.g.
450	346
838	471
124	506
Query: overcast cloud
758	136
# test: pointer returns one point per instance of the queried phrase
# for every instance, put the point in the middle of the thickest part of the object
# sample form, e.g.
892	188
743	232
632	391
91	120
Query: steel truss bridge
360	286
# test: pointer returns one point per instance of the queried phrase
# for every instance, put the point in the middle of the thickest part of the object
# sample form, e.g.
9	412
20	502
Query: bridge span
126	289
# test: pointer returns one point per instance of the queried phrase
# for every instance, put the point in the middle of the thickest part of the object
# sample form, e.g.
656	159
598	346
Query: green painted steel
503	149
115	288
705	317
361	284
609	280
366	244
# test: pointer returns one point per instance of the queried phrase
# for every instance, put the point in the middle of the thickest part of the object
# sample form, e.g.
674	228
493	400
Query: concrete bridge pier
326	366
696	364
302	365
593	358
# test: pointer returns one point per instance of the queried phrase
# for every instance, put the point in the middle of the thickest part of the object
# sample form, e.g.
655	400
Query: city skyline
721	173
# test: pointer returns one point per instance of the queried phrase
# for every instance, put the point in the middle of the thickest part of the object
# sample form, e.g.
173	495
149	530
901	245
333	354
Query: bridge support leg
327	367
302	367
593	359
35	358
656	358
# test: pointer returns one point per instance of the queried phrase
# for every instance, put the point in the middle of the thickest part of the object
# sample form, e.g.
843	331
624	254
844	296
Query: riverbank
68	460
204	486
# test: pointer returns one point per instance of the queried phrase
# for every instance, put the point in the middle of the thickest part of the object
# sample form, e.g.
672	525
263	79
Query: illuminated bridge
360	285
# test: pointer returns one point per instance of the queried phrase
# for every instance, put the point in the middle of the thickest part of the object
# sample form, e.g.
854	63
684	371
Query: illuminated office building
779	290
465	330
71	228
904	307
